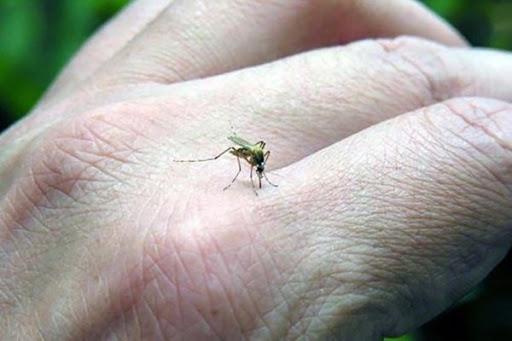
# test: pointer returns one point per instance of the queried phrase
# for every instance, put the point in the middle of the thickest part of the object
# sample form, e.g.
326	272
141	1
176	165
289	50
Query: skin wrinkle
38	329
132	281
132	297
17	255
409	217
160	292
44	187
152	315
60	157
318	314
292	307
480	192
280	290
460	136
436	203
454	173
99	142
291	304
92	165
212	277
247	292
484	128
395	60
282	272
171	282
274	265
295	311
284	301
319	277
323	277
486	132
162	325
400	280
37	210
147	310
432	88
135	133
58	186
94	118
462	162
36	204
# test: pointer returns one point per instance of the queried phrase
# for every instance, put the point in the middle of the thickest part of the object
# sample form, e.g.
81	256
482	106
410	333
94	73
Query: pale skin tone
392	156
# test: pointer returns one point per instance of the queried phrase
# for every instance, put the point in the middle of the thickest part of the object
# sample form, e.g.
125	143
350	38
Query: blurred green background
37	37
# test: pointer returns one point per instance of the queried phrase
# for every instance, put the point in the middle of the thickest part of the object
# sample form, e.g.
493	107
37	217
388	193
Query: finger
112	37
193	39
272	32
414	211
304	103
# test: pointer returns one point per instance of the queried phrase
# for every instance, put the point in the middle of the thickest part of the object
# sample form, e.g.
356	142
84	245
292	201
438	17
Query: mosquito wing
240	141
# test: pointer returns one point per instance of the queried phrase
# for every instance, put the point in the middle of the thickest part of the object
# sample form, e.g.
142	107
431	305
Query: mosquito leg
237	173
265	175
267	155
210	159
261	143
252	182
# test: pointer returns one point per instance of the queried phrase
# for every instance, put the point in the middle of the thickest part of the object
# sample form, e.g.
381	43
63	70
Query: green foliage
483	22
36	39
408	337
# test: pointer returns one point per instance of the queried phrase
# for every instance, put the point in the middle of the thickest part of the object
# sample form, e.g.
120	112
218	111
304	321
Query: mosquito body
254	154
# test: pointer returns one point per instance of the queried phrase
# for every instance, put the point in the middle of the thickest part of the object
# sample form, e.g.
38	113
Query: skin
393	159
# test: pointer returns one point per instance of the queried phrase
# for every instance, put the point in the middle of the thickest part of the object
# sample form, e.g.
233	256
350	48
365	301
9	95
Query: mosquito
254	154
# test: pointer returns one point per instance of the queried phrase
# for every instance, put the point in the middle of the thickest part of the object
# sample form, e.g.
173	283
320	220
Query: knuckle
483	125
441	70
473	145
488	118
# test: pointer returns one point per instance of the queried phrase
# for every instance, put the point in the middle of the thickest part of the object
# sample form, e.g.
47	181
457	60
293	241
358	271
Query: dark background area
37	38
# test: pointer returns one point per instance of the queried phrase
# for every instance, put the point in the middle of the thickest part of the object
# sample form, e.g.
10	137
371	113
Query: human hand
371	231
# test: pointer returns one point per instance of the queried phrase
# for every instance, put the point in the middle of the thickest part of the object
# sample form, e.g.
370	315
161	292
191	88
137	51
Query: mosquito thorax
258	156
